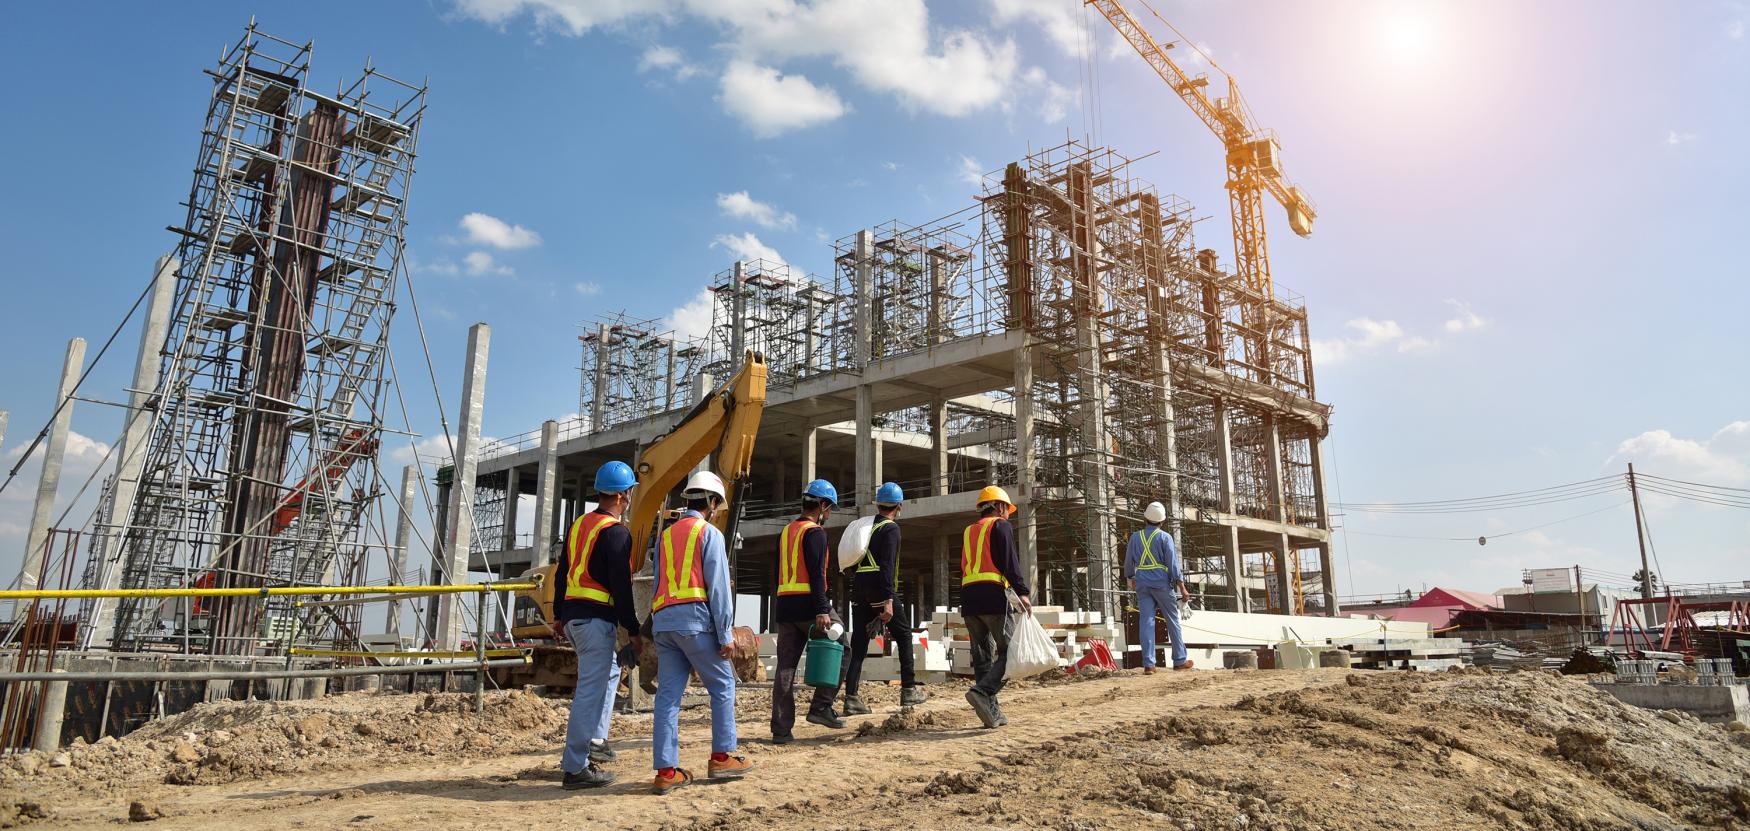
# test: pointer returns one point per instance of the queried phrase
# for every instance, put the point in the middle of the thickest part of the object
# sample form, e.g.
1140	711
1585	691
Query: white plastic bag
1030	649
855	541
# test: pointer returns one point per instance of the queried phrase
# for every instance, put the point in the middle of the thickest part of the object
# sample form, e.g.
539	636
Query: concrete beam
459	532
1214	382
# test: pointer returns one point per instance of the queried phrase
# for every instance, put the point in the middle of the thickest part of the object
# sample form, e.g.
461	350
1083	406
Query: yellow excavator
724	424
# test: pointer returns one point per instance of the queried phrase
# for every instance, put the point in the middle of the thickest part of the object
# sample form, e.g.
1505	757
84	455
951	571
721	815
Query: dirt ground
1317	749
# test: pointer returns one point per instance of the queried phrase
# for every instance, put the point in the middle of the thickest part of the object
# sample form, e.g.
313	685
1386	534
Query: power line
1601	481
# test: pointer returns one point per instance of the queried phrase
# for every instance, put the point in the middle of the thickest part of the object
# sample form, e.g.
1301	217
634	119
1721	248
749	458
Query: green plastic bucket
823	663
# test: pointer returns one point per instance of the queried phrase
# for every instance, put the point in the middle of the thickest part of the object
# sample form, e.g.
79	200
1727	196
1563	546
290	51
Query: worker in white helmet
1152	563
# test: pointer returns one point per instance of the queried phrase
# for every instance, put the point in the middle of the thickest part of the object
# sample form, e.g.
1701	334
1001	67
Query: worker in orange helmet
989	564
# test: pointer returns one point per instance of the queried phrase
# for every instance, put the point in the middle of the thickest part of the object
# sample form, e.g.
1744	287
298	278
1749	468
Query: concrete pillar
403	541
943	569
938	447
1026	522
459	532
1327	574
1087	297
781	478
546	501
936	264
54	451
598	405
1230	539
865	456
1286	563
1328	580
435	575
131	450
738	315
810	436
512	495
51	716
668	402
1273	466
810	340
863	266
1235	567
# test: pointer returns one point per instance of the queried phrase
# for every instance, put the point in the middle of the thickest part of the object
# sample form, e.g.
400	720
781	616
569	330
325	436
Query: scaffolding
632	369
260	468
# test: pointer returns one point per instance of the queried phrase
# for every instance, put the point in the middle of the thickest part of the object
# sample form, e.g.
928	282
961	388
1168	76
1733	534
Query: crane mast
1253	154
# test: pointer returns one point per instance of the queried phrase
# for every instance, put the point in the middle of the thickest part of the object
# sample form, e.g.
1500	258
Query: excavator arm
727	422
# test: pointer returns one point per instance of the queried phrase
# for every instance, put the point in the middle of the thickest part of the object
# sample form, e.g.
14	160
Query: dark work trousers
792	640
898	631
990	650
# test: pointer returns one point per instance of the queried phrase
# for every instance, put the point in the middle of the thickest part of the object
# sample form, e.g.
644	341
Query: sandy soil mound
229	741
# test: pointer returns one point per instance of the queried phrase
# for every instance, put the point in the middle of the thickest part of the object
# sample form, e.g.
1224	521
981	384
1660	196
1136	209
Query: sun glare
1406	32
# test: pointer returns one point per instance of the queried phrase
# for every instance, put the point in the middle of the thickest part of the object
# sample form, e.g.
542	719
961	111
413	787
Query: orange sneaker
663	784
734	767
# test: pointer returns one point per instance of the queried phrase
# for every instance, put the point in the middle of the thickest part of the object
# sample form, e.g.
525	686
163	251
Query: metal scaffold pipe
266	591
257	675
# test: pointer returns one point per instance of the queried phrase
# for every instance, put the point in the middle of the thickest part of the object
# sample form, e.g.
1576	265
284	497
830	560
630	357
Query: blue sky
1527	270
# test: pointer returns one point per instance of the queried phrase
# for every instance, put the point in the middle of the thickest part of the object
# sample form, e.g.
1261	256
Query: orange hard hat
992	493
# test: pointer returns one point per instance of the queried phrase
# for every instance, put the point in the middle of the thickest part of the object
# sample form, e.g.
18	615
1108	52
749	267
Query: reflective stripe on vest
579	585
682	579
792	576
868	564
1147	561
975	560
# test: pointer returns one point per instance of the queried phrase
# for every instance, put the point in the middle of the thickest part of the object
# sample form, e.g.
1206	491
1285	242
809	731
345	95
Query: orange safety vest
792	575
579	545
680	579
975	560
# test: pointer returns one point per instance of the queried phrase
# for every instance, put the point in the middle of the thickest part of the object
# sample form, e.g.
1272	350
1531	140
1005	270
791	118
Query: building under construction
1070	343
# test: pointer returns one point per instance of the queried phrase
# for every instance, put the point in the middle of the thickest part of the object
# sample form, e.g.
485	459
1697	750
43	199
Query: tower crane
1254	163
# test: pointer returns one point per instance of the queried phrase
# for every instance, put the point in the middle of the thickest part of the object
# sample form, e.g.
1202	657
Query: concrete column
703	386
131	450
738	315
51	716
939	447
810	341
936	264
403	541
1328	580
1235	567
944	569
1286	562
598	405
865	456
54	451
1026	522
1273	465
546	501
1328	576
1224	456
810	434
512	492
863	290
459	533
668	402
437	575
1096	482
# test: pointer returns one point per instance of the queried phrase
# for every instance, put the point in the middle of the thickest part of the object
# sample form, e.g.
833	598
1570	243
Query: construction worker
876	604
802	611
989	563
691	616
595	595
1152	563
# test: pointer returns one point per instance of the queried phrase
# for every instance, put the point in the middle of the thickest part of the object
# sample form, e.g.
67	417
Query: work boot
734	767
1148	670
983	706
825	718
600	753
782	738
911	696
854	706
1002	718
661	785
1187	665
590	777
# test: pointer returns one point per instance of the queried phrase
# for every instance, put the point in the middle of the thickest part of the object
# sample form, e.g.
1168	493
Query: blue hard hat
615	477
889	494
822	489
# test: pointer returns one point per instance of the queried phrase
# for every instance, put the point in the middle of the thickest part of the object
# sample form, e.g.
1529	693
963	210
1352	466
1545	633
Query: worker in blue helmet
802	611
593	597
877	607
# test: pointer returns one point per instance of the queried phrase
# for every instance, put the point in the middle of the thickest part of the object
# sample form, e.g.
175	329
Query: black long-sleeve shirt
988	598
610	565
878	586
787	608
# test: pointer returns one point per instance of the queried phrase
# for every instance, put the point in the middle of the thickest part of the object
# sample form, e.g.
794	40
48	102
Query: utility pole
1640	536
1580	598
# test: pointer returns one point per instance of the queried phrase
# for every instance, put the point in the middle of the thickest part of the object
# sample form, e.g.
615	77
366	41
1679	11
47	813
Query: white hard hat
1155	512
705	482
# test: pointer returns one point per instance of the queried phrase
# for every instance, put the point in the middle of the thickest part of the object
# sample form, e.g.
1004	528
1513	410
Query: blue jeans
1148	598
678	655
592	700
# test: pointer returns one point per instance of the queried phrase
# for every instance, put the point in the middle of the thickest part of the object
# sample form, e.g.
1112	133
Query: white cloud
742	206
890	165
1054	98
1674	138
1465	318
1371	336
667	59
440	265
1059	18
692	319
587	288
971	172
1723	458
84	456
1735	30
771	103
747	247
481	264
887	46
484	229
